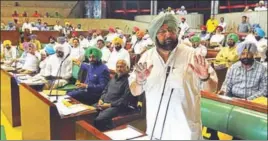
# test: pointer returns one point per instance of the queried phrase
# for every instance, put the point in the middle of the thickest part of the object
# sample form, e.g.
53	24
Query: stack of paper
123	134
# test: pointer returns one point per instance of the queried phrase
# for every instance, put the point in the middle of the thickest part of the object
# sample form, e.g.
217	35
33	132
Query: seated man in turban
119	53
53	65
115	97
31	60
228	55
96	80
47	53
35	42
246	79
261	43
202	50
9	54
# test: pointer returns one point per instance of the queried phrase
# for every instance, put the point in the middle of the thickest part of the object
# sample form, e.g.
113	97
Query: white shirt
26	25
202	50
260	8
223	25
217	38
93	41
133	39
183	120
184	27
262	48
181	12
106	53
139	46
31	62
111	36
57	27
34	29
53	65
10	54
204	38
77	53
84	43
118	55
43	65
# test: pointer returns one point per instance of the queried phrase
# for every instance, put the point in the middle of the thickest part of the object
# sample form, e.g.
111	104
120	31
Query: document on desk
123	134
142	138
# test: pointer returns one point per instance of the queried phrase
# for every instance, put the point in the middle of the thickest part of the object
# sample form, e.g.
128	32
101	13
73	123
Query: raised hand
200	67
142	72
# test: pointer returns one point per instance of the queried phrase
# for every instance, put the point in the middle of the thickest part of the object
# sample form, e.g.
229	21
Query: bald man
115	97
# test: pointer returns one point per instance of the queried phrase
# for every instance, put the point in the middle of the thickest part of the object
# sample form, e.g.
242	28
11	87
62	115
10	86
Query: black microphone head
168	69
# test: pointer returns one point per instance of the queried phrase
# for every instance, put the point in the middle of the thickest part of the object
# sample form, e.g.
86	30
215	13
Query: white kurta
223	25
184	27
217	38
26	25
10	54
117	55
133	39
202	50
111	36
106	53
262	48
53	66
77	53
57	27
84	43
183	120
31	62
139	46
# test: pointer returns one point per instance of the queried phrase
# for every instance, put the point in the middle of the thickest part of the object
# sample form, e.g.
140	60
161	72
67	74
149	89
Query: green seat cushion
68	87
3	134
75	71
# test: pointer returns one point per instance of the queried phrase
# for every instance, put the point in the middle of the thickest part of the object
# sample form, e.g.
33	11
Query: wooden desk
40	118
43	36
85	131
212	53
10	98
13	36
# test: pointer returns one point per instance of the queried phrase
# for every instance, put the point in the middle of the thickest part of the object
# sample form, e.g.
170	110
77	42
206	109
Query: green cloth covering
95	51
3	133
233	36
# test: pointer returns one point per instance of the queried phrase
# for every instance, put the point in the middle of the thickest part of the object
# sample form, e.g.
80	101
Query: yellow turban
7	42
140	33
67	23
117	40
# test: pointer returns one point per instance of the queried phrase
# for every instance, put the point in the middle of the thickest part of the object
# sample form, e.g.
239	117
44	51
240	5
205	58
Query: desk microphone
58	74
167	74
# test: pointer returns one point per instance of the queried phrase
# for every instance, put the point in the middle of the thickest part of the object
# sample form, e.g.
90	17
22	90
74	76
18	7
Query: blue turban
49	49
256	26
247	45
260	32
61	40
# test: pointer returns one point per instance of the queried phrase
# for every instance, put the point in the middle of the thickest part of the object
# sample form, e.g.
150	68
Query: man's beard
117	48
168	45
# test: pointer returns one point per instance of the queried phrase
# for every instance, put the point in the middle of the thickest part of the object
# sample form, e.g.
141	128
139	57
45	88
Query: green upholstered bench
3	134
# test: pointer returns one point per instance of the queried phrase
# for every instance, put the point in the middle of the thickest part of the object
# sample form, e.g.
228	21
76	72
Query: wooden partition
43	36
236	102
13	36
40	118
10	103
212	53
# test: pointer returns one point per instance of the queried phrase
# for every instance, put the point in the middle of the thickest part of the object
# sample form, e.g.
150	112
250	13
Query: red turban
111	29
203	27
136	29
219	27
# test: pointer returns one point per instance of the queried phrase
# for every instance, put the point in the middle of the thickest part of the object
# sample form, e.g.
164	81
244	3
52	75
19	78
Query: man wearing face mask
195	40
179	70
228	55
246	79
261	43
118	54
53	65
96	80
115	97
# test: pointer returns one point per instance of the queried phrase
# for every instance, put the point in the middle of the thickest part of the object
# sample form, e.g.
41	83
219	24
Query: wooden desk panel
212	53
10	98
41	120
43	36
13	36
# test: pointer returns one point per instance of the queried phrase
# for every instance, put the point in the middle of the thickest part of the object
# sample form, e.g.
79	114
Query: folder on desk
54	92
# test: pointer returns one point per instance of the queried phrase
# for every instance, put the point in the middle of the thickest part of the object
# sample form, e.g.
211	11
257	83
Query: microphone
58	74
167	74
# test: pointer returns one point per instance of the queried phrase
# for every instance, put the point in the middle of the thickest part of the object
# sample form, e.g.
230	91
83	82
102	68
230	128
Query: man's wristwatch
206	79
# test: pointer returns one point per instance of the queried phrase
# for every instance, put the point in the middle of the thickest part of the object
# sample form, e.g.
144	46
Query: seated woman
31	60
115	97
97	78
77	52
217	39
228	55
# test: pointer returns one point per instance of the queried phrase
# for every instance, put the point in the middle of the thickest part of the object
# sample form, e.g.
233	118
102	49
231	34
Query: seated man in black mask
115	97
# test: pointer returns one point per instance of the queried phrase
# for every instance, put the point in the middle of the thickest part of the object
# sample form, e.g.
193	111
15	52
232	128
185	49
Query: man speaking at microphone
179	74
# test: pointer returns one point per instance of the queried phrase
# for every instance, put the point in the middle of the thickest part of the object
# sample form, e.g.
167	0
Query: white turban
158	21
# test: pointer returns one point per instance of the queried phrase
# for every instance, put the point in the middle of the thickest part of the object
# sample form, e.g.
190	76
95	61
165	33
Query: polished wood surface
236	102
13	36
10	98
212	53
41	120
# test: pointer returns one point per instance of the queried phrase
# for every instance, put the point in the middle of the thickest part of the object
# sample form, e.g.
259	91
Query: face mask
247	61
257	38
117	48
230	44
168	45
203	32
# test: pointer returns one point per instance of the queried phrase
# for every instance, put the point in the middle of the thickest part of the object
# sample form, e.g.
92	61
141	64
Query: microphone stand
167	73
53	83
